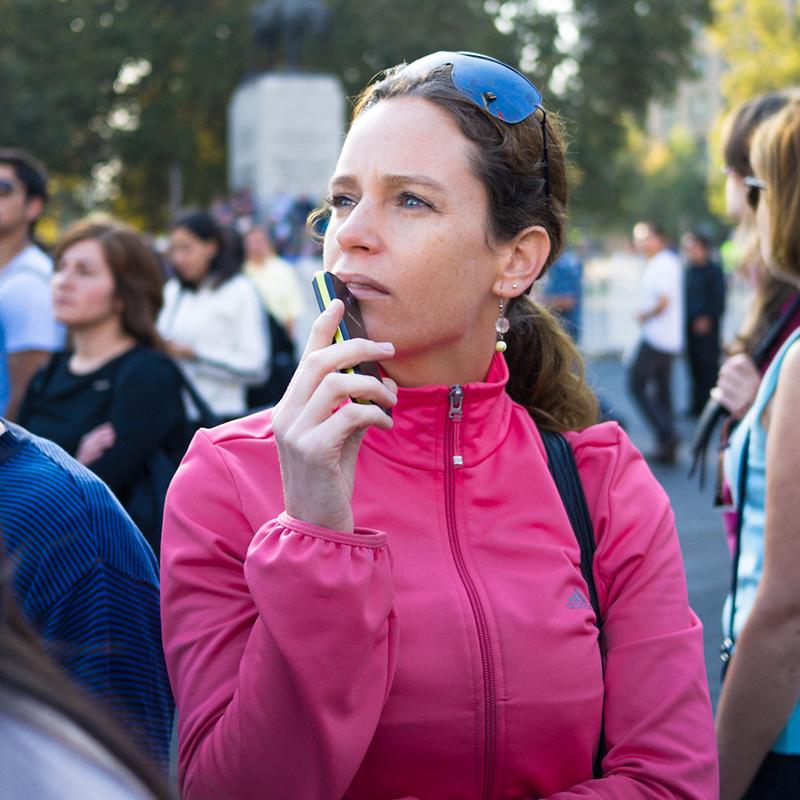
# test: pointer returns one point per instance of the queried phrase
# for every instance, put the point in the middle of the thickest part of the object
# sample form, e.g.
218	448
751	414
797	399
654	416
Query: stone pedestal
285	133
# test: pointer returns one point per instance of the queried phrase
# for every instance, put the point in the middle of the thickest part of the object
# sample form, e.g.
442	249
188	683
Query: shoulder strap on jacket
562	466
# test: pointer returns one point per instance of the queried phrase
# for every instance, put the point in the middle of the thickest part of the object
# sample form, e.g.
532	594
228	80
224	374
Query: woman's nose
360	230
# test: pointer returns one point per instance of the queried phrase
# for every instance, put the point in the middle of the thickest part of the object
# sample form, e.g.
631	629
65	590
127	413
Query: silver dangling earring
501	326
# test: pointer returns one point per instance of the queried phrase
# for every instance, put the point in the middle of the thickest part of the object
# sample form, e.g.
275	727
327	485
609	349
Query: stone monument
285	126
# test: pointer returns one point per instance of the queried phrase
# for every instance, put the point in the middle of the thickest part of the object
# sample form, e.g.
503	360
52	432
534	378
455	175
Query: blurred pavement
702	539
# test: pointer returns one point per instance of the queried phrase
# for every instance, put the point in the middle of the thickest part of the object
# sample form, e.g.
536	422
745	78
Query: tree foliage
126	90
760	42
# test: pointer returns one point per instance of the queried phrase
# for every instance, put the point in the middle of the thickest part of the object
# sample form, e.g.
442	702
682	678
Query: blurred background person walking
212	317
563	292
113	399
704	286
661	319
28	330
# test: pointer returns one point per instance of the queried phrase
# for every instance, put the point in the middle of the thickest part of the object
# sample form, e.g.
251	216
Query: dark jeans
650	383
703	355
777	778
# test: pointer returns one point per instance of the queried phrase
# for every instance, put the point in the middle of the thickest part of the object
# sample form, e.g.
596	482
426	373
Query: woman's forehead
405	134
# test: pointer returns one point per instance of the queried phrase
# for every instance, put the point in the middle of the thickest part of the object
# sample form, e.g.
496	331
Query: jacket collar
422	426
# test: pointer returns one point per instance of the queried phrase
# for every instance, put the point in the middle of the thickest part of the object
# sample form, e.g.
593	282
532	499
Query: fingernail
387	347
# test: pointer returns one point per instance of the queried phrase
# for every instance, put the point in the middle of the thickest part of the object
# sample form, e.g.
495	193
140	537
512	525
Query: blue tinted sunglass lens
498	88
490	84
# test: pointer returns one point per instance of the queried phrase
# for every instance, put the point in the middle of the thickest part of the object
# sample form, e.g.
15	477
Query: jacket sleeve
659	733
280	645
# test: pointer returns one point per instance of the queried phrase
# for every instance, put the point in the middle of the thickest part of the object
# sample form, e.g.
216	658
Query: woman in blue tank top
758	719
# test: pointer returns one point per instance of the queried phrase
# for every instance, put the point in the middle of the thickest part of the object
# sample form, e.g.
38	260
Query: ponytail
546	370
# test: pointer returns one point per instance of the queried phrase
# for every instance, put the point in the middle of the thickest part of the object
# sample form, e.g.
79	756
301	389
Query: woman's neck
97	345
459	365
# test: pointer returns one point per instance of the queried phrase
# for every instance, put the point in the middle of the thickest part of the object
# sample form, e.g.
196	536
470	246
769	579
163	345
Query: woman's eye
340	201
408	200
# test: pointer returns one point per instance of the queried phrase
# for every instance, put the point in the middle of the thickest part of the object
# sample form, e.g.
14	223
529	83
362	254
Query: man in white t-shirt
661	319
28	330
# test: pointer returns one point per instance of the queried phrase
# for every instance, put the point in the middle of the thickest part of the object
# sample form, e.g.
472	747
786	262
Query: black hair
700	237
30	171
227	261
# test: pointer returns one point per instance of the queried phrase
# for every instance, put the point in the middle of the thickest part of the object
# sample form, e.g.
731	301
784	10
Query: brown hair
772	294
776	157
740	125
546	370
137	272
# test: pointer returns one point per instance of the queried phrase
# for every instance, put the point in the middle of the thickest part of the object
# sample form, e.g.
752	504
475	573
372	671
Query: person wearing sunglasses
758	718
370	606
774	298
28	330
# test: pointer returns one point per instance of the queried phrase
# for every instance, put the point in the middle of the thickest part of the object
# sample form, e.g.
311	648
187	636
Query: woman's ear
525	257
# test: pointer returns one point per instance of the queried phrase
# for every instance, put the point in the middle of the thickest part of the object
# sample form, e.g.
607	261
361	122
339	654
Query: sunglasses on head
490	84
754	188
7	187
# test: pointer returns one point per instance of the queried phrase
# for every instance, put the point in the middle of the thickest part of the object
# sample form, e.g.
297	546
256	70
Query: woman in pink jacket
371	607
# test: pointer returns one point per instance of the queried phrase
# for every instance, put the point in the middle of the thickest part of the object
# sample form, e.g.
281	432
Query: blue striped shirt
87	580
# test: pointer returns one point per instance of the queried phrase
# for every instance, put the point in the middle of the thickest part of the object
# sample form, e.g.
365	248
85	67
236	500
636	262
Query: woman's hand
319	431
180	351
737	384
95	443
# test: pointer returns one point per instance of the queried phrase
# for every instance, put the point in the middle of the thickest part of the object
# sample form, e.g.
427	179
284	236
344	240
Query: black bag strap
714	412
564	470
562	466
726	648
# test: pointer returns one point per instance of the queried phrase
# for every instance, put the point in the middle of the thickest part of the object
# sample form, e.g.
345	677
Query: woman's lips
362	287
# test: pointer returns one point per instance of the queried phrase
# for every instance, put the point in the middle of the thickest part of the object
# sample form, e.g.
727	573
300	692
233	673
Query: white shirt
226	329
663	277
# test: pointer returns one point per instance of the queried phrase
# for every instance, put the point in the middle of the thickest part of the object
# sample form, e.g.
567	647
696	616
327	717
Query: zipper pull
456	395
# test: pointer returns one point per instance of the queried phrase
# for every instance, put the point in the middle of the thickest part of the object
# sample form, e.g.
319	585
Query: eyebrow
348	181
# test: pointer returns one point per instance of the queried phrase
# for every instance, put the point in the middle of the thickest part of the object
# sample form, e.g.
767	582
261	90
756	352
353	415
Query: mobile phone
327	287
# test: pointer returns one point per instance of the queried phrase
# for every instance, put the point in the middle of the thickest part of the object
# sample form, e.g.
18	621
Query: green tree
602	62
128	90
760	42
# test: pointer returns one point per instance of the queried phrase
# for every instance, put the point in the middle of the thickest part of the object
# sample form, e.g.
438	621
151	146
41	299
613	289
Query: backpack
283	363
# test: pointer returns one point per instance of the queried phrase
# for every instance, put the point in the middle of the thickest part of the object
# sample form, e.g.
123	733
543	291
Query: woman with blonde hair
370	606
758	720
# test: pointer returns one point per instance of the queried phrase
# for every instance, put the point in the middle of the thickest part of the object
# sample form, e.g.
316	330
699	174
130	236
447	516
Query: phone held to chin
327	287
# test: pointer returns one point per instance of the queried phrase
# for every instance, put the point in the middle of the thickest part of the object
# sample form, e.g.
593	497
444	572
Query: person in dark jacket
704	287
113	400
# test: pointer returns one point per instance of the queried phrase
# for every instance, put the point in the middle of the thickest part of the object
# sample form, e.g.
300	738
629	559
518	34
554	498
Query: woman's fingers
331	435
324	327
335	388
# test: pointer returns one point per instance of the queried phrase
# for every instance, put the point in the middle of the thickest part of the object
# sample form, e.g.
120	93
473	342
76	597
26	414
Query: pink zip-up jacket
446	649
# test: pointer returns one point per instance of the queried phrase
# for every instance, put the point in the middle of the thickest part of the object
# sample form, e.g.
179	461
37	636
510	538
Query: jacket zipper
453	461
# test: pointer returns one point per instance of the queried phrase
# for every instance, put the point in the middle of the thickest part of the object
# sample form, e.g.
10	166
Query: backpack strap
564	470
562	466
